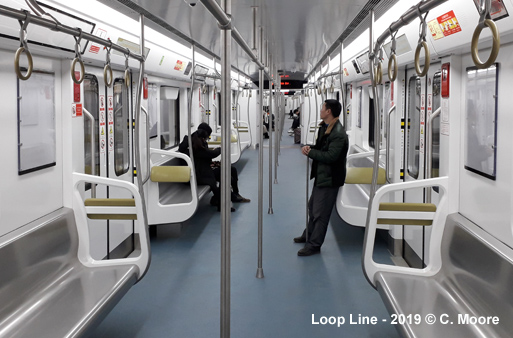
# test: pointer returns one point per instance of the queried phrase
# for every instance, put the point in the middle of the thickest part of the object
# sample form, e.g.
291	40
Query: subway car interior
111	109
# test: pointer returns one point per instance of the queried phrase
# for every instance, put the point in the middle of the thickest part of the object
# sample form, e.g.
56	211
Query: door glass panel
153	110
413	141
348	106
360	102
386	108
435	157
121	128
91	95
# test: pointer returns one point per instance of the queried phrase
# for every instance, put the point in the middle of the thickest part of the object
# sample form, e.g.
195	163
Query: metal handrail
147	146
429	149
22	15
93	155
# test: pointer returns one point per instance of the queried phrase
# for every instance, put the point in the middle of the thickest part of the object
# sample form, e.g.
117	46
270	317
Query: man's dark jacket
329	155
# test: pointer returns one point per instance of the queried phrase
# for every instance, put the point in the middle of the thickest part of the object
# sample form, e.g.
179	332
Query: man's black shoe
299	239
308	252
232	209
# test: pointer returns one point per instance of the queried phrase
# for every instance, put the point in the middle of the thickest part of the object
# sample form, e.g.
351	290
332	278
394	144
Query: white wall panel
28	197
484	201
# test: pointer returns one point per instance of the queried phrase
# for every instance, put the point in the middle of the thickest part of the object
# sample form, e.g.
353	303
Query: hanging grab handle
378	73
78	58
127	69
485	20
422	44
23	49
392	70
107	70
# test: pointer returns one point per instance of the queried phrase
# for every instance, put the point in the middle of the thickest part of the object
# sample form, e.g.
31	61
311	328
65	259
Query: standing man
329	170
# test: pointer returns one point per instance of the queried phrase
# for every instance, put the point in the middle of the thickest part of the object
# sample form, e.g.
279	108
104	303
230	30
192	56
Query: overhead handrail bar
485	19
328	75
225	22
429	149
410	15
93	155
22	15
34	6
387	162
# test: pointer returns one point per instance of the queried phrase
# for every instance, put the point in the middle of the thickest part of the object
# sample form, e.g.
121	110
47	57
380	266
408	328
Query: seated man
203	156
295	123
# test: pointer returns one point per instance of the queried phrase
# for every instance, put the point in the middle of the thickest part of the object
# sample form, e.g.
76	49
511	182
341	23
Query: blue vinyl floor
180	295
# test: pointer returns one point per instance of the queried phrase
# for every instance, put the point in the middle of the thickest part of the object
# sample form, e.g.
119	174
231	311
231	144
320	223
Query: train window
153	110
91	95
360	102
413	142
169	117
36	123
435	156
121	128
481	121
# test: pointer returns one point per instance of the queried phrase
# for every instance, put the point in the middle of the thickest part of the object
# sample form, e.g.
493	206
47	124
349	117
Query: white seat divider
172	197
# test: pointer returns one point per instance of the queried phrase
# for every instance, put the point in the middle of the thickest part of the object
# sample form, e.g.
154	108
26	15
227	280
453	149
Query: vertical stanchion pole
260	105
189	110
137	142
270	132
277	124
308	166
343	87
226	39
377	131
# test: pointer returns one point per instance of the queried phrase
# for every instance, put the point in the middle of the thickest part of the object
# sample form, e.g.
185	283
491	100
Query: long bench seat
45	291
470	296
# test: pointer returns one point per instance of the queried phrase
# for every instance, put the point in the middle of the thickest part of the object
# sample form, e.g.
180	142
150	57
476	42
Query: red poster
179	65
449	24
79	109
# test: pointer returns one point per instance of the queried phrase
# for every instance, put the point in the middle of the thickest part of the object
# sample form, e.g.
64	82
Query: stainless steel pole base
270	211
275	181
260	273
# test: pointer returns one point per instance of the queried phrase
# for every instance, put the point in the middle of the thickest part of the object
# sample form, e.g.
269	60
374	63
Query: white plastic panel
28	197
486	202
